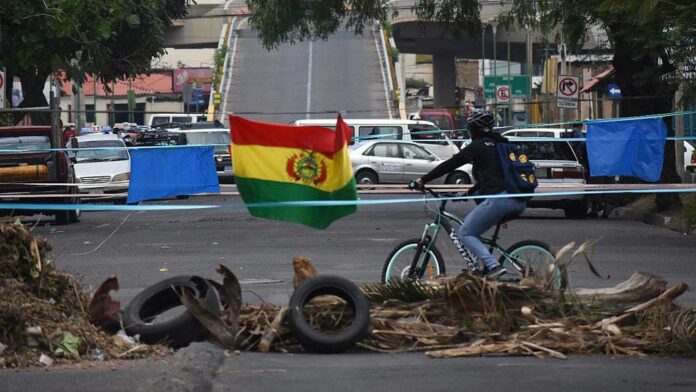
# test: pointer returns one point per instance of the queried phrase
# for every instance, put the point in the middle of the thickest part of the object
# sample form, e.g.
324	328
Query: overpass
200	29
437	39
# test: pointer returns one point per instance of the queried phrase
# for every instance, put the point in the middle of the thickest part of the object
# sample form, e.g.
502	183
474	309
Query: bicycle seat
507	218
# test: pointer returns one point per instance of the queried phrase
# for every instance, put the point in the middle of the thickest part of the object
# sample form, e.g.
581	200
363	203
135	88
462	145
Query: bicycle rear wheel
532	259
398	264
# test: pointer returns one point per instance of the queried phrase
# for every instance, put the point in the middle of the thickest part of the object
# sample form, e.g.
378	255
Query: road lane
195	241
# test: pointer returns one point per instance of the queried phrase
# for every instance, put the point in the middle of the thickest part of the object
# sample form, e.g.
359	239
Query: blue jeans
482	218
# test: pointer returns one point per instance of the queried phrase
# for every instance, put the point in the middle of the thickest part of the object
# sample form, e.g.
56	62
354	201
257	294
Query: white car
102	170
689	158
556	163
397	161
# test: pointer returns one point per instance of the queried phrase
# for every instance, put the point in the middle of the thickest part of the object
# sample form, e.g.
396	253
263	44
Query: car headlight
122	177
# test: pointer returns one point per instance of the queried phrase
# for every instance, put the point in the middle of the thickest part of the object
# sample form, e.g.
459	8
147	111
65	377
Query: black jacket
483	154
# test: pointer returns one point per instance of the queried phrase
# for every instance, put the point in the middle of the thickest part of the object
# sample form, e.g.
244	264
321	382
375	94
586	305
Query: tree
110	40
651	39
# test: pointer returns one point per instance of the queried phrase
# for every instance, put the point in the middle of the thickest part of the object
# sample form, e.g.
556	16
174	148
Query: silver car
393	161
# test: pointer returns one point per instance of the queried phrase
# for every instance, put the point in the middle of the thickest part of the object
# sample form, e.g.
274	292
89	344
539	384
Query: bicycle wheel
533	259
399	261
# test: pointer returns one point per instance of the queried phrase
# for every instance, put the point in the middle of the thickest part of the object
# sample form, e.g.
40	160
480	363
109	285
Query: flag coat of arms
283	163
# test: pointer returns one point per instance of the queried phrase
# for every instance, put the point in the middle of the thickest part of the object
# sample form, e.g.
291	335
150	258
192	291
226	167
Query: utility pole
94	80
494	25
509	111
530	72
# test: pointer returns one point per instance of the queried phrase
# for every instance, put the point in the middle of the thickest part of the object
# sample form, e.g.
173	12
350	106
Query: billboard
184	76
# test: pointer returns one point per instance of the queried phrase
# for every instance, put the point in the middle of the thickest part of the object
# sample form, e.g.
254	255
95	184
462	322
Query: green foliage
416	83
113	39
393	54
219	61
289	21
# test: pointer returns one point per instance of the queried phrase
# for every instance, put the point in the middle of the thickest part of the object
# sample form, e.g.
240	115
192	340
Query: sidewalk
643	209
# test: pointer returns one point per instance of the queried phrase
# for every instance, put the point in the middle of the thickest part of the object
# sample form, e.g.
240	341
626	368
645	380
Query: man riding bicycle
483	155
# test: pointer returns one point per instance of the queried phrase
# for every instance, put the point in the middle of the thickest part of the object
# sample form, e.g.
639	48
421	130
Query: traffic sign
519	85
216	98
567	91
502	94
614	91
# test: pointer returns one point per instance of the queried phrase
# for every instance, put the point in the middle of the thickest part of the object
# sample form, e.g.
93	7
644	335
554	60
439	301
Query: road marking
384	78
231	68
309	81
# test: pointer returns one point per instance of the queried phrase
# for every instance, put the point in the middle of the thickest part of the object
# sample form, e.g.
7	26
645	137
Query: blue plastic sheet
157	173
633	148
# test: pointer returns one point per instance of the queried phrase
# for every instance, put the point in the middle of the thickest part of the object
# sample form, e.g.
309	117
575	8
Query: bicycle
413	258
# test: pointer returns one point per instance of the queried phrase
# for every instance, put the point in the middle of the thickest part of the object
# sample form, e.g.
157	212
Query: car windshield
547	151
220	138
117	152
24	142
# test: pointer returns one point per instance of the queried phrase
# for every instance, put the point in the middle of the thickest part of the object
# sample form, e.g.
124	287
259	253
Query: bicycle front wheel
533	259
398	264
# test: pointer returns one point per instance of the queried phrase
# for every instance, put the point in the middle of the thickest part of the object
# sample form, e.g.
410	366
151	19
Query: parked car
21	172
163	118
101	171
218	136
689	157
422	132
556	163
393	161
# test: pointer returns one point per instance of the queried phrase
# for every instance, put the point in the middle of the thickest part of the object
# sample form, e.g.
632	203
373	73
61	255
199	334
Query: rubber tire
367	174
179	331
576	210
503	261
316	341
433	249
454	177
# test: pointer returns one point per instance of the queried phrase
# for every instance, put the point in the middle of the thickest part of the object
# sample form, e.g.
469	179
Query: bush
690	210
393	54
416	83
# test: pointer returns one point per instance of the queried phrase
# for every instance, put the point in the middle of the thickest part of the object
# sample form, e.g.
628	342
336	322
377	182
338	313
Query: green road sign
518	83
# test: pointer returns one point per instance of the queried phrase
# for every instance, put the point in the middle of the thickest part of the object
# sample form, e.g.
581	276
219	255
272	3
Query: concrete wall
68	103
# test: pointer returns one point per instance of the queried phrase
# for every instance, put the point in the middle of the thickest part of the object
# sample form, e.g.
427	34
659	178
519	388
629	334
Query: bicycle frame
450	222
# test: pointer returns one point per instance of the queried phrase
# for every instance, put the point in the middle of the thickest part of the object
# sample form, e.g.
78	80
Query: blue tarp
632	148
157	173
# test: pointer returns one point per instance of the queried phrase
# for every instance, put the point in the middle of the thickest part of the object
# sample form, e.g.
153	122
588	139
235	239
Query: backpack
518	172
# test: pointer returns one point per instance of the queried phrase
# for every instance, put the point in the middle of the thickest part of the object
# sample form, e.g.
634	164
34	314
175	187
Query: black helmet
480	121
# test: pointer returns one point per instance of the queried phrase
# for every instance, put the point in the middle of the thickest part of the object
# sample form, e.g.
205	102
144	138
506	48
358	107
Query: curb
654	219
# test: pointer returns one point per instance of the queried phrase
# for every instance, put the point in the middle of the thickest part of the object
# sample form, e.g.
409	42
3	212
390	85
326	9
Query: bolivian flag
283	163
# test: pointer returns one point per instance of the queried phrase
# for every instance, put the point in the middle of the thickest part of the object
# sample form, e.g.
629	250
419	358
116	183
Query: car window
384	150
160	120
24	142
375	131
547	151
415	152
114	153
425	133
182	120
546	134
220	138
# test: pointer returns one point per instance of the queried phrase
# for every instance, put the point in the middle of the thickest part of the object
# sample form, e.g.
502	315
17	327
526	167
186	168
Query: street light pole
494	25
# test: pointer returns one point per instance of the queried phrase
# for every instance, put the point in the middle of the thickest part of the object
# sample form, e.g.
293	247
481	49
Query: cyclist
482	153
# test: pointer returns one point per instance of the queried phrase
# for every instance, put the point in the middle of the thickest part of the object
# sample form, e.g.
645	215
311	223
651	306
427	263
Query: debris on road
43	312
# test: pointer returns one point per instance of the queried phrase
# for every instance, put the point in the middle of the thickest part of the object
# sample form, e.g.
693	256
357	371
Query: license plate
541	172
228	169
95	191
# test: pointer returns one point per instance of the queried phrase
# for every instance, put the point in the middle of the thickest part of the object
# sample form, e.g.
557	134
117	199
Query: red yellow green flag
283	163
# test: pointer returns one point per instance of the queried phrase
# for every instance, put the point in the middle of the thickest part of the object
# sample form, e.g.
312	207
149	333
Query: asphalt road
306	80
144	247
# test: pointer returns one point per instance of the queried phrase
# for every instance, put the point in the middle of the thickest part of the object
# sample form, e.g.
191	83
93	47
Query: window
380	132
384	150
90	115
84	156
547	151
415	152
220	138
546	134
428	134
24	142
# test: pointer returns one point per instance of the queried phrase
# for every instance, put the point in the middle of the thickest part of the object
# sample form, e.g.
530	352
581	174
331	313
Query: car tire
334	342
576	209
74	216
366	177
62	218
458	178
180	330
